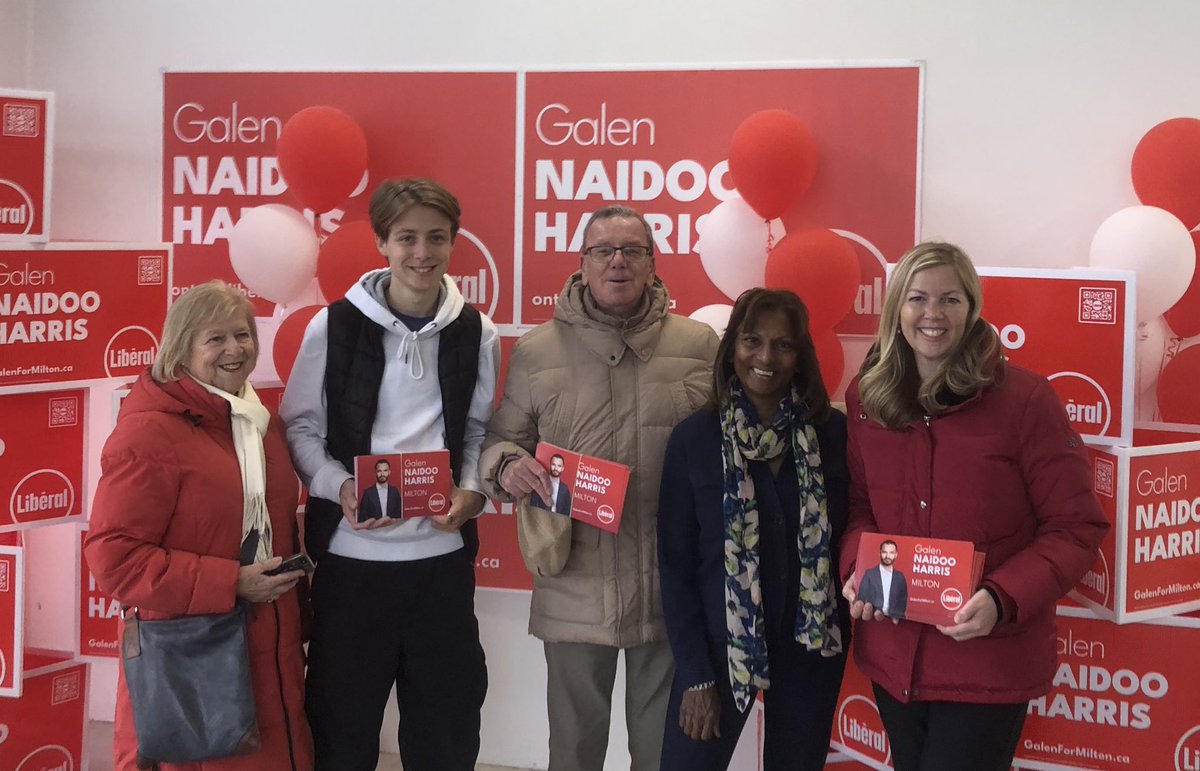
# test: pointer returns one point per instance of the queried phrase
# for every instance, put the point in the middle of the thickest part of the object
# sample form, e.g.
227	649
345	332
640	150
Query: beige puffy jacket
613	390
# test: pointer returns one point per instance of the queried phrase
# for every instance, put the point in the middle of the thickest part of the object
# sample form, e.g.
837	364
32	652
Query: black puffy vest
353	373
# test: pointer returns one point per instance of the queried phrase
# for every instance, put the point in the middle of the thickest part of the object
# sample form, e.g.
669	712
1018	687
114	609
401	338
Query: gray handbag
189	682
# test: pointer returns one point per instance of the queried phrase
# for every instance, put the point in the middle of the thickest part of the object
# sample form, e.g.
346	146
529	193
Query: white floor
100	752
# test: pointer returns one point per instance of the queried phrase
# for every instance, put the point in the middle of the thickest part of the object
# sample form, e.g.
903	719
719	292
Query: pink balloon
273	250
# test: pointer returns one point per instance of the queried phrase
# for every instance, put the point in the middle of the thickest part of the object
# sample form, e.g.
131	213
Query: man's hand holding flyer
402	485
588	489
919	579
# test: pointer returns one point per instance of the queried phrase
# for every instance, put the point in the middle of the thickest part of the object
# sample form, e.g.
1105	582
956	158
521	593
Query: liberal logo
40	495
49	757
860	730
1187	751
16	209
130	351
474	270
951	599
1086	403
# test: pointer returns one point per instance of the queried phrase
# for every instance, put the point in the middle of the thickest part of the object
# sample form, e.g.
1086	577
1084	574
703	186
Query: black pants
408	623
950	735
797	711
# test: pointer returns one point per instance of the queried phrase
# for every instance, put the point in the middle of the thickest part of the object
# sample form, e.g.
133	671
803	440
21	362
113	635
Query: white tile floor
100	752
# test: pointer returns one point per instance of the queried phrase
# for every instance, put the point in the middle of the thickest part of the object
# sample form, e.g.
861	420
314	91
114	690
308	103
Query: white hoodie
408	418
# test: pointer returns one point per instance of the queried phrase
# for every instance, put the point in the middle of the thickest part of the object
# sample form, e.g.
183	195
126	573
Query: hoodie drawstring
410	353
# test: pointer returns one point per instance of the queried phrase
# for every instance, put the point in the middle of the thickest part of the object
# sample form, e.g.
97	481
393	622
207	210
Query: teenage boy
402	364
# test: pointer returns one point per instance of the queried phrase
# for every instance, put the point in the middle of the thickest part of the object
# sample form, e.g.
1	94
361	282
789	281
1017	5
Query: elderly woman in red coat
948	440
197	503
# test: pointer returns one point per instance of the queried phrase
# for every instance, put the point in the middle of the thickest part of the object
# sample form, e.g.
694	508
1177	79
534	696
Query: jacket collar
608	337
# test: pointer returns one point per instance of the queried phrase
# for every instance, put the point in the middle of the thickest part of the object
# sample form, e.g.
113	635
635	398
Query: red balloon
1177	402
1166	169
830	356
772	159
821	267
288	338
1184	316
322	156
348	253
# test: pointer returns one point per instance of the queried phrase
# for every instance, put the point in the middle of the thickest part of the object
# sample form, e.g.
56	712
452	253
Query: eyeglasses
602	255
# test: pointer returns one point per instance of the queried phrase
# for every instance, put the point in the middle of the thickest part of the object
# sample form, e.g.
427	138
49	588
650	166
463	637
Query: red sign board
1124	697
1149	564
99	614
43	730
80	312
12	611
643	139
1075	327
42	449
26	149
219	158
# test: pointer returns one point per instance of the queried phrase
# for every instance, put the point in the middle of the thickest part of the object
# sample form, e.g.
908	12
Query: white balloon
733	246
273	250
1155	245
716	316
1150	352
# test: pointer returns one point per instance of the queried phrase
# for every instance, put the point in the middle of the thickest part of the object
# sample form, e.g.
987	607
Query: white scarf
249	419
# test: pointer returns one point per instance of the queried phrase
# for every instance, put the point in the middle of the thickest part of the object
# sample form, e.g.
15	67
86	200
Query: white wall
14	42
1032	110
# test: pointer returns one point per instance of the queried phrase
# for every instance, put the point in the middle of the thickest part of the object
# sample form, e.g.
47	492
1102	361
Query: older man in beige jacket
609	376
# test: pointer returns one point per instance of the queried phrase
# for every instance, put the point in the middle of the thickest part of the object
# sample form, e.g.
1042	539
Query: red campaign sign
44	729
1149	564
26	150
42	444
99	614
421	481
12	614
857	728
928	579
1076	328
643	139
80	312
1124	697
219	150
499	564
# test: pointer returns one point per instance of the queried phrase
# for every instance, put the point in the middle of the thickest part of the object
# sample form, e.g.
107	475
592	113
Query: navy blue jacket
691	538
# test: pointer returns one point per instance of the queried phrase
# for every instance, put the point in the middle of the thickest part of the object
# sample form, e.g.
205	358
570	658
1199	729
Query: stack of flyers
919	579
402	485
591	490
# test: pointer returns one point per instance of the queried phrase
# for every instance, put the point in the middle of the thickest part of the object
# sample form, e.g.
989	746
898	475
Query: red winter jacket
1006	471
165	530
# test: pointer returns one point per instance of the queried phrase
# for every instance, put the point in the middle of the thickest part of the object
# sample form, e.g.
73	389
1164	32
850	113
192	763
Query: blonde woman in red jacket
947	440
196	503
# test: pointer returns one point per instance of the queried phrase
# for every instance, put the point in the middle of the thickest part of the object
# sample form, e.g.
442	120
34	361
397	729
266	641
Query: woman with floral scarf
753	500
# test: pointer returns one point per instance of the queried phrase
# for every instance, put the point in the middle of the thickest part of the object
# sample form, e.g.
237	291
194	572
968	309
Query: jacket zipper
287	719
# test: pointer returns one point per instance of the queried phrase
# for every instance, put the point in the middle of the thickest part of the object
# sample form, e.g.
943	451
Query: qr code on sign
1105	471
65	688
3	576
64	411
1097	305
150	270
21	120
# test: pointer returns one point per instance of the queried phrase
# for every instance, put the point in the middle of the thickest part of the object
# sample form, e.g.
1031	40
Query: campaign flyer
402	485
590	490
918	579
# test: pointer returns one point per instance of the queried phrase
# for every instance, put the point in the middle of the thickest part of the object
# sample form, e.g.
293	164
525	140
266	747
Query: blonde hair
198	309
891	389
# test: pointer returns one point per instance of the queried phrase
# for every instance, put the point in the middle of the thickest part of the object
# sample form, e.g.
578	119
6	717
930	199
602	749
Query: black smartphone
298	561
